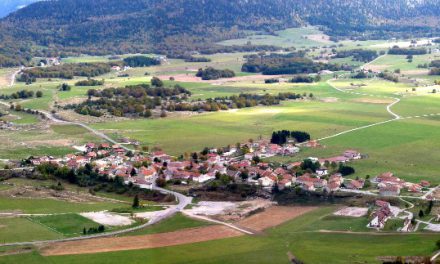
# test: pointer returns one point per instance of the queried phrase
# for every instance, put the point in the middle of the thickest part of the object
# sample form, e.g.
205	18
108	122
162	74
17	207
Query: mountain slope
178	25
9	6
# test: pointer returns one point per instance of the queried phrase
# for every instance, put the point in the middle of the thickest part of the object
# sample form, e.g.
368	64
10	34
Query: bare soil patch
186	236
373	100
416	72
109	219
273	216
322	38
230	211
329	100
193	78
352	212
376	67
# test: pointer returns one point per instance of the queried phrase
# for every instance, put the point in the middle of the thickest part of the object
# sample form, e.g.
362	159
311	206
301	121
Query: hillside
9	6
172	26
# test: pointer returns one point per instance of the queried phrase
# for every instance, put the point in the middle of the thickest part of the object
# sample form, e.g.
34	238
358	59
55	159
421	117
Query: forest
275	64
66	71
210	73
50	28
358	54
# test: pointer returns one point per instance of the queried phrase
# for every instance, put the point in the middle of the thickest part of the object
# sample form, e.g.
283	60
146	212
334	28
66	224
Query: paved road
183	201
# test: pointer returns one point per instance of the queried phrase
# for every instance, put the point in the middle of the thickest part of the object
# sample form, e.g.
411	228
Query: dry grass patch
186	236
274	216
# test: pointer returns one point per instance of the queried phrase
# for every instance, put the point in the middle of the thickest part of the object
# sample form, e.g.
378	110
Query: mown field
300	237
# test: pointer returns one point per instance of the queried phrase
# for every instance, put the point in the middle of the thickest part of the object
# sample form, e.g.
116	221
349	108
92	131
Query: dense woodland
358	54
65	71
293	63
131	101
141	61
407	51
89	82
210	73
232	102
176	26
281	137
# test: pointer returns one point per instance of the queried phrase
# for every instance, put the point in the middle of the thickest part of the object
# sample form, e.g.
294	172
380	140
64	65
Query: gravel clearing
211	208
352	211
108	219
433	227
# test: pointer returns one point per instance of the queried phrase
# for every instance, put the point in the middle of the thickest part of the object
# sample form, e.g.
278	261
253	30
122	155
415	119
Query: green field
22	229
66	224
293	37
272	247
47	206
177	222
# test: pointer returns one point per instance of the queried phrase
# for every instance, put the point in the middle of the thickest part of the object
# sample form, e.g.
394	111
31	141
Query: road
183	201
52	117
388	108
14	76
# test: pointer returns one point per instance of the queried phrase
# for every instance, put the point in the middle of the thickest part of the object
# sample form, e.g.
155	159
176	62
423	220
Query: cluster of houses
114	161
390	185
382	214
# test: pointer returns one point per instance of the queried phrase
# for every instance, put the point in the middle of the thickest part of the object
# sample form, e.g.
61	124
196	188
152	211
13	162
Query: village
244	163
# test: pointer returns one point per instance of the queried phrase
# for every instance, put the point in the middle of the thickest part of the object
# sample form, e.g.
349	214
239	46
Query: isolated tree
39	94
421	214
135	201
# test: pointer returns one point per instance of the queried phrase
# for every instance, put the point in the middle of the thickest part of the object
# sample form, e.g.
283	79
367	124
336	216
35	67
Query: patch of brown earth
322	38
193	78
273	216
376	67
330	100
416	72
186	236
373	101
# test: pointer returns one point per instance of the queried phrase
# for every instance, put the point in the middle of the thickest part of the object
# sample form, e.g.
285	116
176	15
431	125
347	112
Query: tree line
275	64
210	73
407	51
232	102
281	137
22	94
65	71
90	82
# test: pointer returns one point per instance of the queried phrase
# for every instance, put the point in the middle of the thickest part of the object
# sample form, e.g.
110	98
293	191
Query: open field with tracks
395	125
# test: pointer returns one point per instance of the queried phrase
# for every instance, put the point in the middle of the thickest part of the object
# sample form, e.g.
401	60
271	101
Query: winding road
183	201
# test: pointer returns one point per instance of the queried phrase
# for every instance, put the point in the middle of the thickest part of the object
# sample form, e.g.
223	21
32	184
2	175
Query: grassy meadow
300	237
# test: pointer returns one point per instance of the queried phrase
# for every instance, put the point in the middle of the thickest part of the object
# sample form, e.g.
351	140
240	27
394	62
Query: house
266	182
337	178
312	144
390	190
322	171
284	183
415	188
204	177
425	184
380	215
352	154
147	172
388	178
332	187
308	186
355	184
